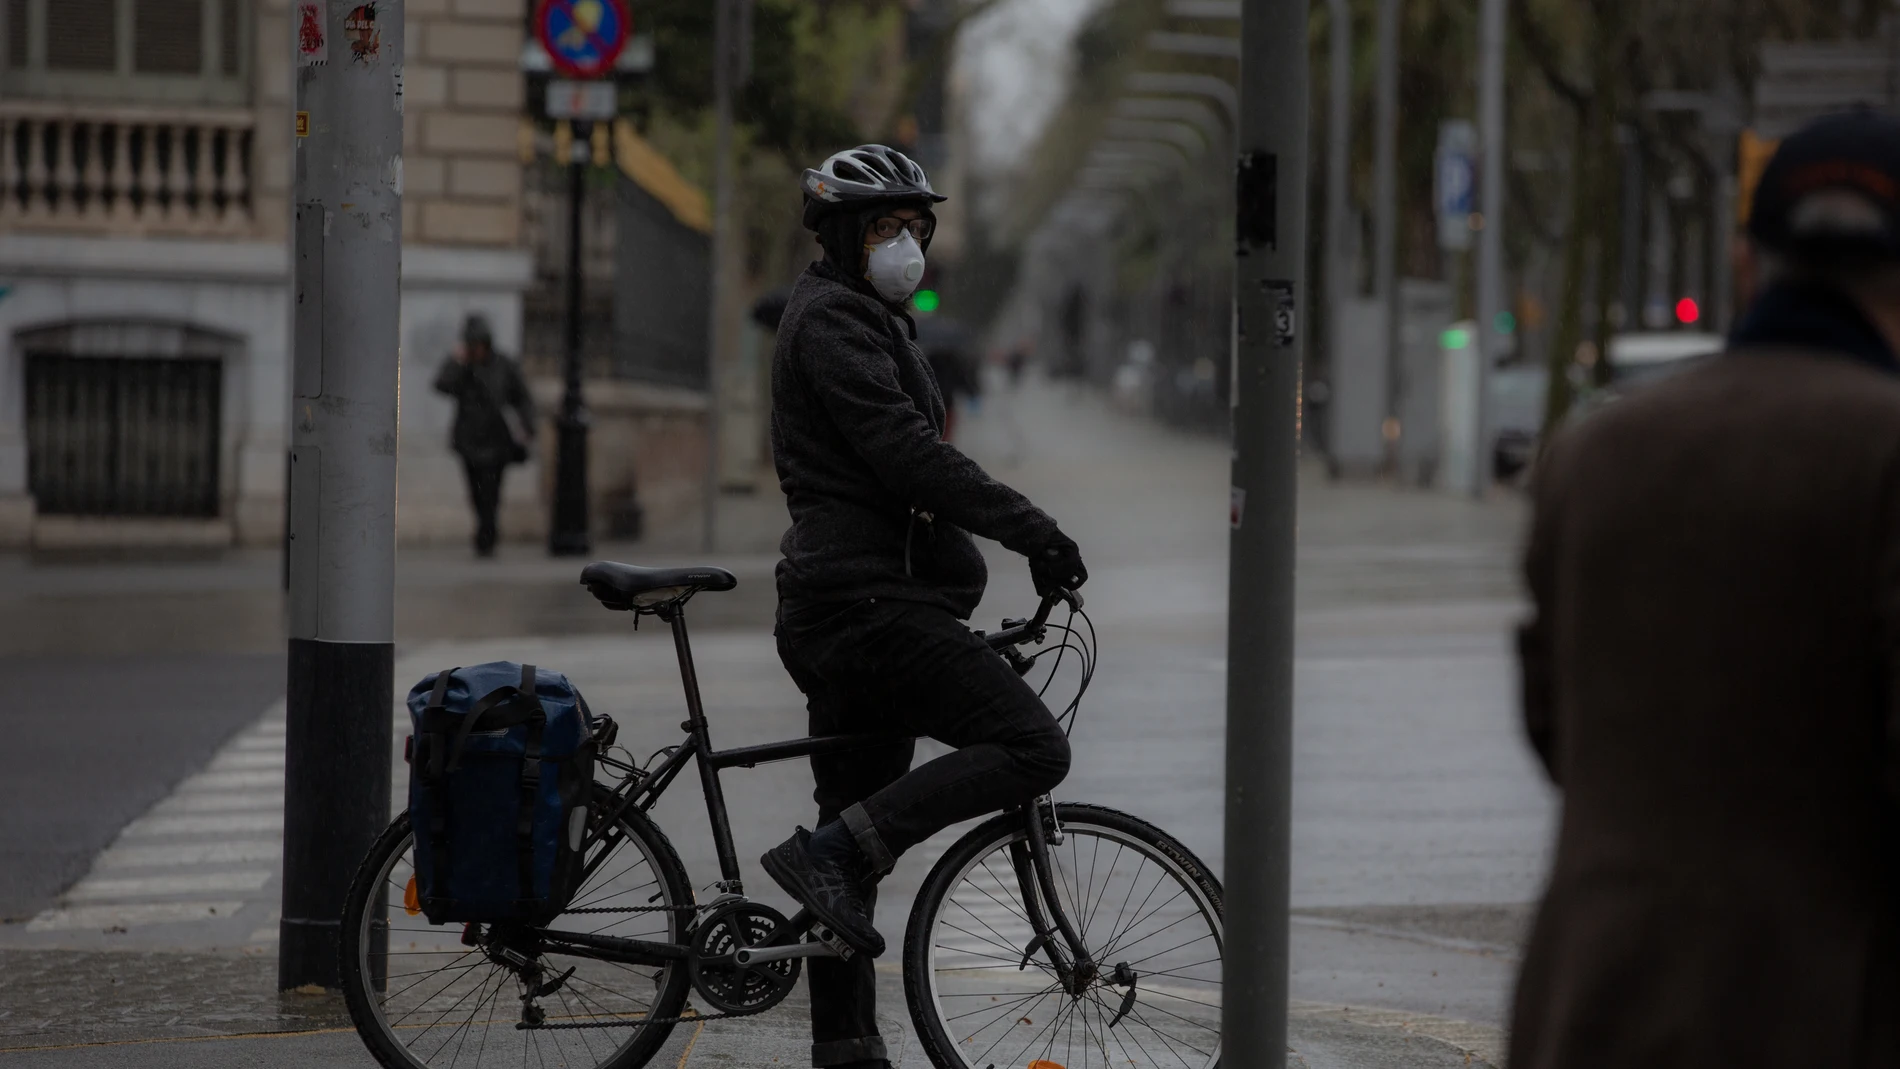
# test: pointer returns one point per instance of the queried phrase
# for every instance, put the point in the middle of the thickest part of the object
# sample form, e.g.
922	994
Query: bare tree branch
1545	54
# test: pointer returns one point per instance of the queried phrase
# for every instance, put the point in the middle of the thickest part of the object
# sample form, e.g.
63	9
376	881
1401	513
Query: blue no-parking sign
1455	183
583	37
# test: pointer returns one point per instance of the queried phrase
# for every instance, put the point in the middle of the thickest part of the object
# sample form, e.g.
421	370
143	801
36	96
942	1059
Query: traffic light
929	296
1688	311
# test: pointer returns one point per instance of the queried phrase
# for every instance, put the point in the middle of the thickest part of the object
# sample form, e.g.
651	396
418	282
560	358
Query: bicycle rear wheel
429	996
1147	910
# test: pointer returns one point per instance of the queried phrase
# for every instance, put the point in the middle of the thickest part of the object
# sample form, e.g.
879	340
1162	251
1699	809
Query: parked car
1636	359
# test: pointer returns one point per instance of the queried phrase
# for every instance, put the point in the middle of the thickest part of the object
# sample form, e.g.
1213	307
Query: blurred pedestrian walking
494	417
1712	673
949	349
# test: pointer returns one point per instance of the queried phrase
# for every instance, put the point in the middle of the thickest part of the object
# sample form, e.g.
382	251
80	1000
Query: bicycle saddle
624	587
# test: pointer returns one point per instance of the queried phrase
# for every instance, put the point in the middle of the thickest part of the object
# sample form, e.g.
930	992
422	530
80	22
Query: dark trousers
484	493
906	669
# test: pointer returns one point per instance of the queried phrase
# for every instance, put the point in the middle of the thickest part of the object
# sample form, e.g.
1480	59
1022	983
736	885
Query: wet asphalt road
1421	820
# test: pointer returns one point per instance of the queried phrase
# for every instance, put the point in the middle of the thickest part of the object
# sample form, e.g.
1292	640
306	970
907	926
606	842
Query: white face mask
895	267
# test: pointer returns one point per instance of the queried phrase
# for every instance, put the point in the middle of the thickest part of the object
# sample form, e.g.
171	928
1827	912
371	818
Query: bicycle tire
356	968
928	959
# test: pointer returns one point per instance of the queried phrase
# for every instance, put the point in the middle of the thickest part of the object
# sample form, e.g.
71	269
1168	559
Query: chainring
726	985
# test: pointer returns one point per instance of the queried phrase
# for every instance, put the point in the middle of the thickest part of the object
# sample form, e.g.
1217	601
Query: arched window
123	418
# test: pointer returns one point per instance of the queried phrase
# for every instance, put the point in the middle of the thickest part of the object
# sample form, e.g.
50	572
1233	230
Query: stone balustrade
123	169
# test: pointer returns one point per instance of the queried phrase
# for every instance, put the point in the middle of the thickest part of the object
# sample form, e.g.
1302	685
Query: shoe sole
782	875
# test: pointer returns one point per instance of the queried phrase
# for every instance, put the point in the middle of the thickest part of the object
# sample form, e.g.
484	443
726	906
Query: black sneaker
833	893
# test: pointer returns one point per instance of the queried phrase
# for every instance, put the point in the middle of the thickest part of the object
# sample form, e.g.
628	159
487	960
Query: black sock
834	843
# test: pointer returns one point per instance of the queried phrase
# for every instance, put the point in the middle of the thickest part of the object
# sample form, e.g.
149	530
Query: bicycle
1010	957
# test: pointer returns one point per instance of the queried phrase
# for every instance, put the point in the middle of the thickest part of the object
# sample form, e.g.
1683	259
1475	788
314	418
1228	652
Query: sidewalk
1421	821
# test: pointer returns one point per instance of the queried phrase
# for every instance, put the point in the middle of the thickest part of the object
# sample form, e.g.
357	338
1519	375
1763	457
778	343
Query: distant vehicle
1636	359
1517	414
1645	356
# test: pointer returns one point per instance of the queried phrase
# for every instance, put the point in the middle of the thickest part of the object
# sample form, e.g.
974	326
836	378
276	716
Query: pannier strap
503	707
437	831
530	783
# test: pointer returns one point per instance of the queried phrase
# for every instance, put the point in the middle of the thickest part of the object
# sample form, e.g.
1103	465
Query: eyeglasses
889	226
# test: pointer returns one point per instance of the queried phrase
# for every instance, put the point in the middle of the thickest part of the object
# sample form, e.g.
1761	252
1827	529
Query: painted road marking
212	853
219	801
215	781
248	759
129	916
205	824
171	884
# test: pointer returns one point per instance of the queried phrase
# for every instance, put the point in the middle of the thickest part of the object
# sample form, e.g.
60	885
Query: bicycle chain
632	909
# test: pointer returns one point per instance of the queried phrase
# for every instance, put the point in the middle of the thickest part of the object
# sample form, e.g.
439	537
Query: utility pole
347	242
1491	202
726	17
1385	199
567	533
1270	230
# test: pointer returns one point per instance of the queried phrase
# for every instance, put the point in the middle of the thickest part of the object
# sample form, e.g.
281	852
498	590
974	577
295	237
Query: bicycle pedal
831	939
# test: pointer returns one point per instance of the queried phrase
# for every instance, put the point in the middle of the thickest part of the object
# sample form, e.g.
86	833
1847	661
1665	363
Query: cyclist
879	569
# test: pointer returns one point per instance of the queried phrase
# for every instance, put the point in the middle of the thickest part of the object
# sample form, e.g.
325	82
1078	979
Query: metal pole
1491	201
1270	228
567	534
1385	197
347	247
725	63
1338	161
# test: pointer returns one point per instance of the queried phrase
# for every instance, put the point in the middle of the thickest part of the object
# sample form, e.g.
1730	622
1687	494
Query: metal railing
123	436
108	169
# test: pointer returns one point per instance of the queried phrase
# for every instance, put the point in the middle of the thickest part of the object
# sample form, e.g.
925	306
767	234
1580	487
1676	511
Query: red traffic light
1687	311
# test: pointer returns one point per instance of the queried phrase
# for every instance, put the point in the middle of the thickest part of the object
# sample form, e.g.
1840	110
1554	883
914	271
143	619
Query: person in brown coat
1712	670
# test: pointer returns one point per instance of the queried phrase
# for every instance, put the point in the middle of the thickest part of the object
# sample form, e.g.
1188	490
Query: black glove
1057	566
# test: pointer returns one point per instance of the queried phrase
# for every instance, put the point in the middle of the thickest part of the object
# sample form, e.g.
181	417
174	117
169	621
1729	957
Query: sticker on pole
1285	310
583	37
312	46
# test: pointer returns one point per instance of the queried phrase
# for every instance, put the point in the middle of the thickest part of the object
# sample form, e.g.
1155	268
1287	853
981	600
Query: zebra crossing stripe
128	916
171	884
221	852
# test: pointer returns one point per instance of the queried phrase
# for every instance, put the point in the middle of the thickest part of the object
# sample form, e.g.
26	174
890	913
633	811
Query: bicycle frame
1033	866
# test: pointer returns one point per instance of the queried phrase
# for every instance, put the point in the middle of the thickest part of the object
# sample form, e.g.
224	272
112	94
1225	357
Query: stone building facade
146	149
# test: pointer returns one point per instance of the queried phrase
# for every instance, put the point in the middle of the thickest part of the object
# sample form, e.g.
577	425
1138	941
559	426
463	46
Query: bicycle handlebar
1017	632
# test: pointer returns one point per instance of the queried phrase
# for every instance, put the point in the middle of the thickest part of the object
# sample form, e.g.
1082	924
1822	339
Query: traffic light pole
1491	205
1270	228
567	531
341	541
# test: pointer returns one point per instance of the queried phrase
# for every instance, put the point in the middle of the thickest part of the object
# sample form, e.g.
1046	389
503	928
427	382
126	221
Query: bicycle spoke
1125	947
1130	930
1032	1009
1170	950
1000	942
1006	1009
1124	897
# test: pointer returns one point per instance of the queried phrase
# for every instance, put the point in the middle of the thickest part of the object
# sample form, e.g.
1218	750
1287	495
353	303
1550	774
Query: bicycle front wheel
427	996
981	992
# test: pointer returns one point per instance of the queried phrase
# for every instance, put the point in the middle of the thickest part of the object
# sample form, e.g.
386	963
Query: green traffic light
926	300
1455	338
1506	323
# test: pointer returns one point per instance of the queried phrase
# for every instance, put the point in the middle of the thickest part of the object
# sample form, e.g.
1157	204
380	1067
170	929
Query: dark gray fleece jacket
857	434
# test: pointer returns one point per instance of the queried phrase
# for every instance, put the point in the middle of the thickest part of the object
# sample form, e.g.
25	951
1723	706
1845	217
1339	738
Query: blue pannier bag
501	766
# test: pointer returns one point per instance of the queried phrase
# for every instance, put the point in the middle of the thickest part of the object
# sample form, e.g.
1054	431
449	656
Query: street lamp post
567	534
588	56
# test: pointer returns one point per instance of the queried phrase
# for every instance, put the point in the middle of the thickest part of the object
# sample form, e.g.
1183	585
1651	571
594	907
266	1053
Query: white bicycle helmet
867	173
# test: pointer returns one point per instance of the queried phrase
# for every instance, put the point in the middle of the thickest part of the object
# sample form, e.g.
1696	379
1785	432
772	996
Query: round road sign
583	37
